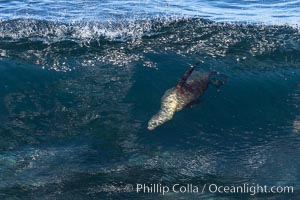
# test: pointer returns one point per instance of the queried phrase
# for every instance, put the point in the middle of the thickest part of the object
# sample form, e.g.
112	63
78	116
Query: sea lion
185	93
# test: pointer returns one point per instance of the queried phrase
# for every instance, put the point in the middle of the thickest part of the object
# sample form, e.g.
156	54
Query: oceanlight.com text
251	189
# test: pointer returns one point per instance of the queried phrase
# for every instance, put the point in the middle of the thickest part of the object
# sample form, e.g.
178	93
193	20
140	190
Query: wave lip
55	31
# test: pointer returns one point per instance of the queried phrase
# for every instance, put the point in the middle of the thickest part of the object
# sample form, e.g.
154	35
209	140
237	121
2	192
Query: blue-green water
79	82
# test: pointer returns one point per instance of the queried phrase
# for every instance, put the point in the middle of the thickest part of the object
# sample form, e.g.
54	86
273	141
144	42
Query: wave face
78	86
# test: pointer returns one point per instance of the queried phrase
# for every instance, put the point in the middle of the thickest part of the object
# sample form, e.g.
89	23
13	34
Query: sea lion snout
154	122
152	126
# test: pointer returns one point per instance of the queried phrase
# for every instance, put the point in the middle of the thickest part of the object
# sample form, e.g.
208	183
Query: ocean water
79	81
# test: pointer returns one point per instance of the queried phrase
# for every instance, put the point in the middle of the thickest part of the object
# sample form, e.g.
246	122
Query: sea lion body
176	99
186	92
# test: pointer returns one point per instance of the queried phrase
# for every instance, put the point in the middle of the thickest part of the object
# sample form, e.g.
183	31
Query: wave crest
62	46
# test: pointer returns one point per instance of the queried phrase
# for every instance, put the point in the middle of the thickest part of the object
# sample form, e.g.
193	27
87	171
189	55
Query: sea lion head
154	122
169	105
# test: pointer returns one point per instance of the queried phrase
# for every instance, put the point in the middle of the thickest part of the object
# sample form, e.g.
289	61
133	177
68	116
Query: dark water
80	80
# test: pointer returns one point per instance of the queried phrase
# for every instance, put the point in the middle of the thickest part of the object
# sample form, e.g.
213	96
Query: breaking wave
52	44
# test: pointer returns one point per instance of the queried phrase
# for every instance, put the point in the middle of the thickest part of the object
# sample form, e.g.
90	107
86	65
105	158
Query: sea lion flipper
186	75
217	79
194	103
